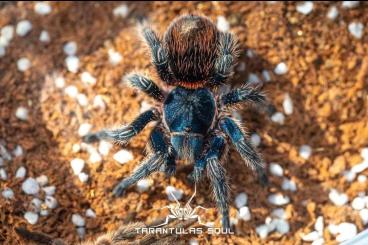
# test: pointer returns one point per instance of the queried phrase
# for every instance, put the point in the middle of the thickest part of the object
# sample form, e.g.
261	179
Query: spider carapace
193	118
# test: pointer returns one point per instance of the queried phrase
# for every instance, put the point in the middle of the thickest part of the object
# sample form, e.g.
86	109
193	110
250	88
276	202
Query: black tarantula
193	120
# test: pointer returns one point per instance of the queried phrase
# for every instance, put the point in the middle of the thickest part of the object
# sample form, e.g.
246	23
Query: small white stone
22	113
347	231
339	199
3	174
104	147
281	69
77	165
253	78
44	36
279	213
23	64
18	151
310	237
222	24
83	177
332	13
59	81
349	175
356	29
88	79
271	224
143	185
266	75
364	153
319	241
358	203
95	157
44	212
171	190
318	226
262	231
278	199
360	167
333	229
255	139
82	100
78	220
287	104
76	148
278	117
2	51
42	180
121	11
71	91
364	215
42	8
90	213
282	226
288	185
7	32
21	173
244	214
81	232
114	57
70	48
276	169
241	200
84	129
193	241
123	156
7	193
98	102
51	202
350	4
49	190
362	178
5	153
304	7
36	204
305	151
23	28
72	63
30	186
3	42
31	217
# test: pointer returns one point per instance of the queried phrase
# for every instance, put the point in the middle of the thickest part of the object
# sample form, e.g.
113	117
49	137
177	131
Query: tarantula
193	119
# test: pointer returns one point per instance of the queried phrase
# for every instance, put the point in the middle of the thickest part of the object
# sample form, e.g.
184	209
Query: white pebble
262	231
23	28
279	213
276	169
84	129
49	190
95	157
123	156
339	199
222	24
78	220
114	57
349	175
244	214
332	13
362	178
281	69
82	100
30	186
287	104
278	199
70	48
350	4
282	226
77	165
360	167
241	200
36	204
31	217
44	212
347	231
310	237
253	79
288	185
2	51
51	202
121	11
45	36
76	148
72	63
358	203
90	213
143	185
81	232
318	226
71	91
266	75
4	153
255	139
21	173
271	224
59	81
364	153
98	102
305	151
18	151
356	29
193	241
7	193
88	79
42	180
42	8
3	42
3	174
278	117
319	241
364	215
171	190
304	7
7	32
333	229
83	177
23	64
104	147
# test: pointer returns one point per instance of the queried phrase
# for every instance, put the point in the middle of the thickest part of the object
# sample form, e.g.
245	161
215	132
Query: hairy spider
193	119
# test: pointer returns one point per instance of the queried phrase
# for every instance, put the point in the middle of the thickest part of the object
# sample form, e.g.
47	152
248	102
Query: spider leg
199	220
146	85
166	221
159	55
124	134
159	156
244	147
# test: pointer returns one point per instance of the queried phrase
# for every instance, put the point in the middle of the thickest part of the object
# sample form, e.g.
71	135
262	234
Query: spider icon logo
183	213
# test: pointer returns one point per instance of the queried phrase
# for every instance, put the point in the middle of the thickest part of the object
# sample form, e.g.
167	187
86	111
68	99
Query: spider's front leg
161	156
124	134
